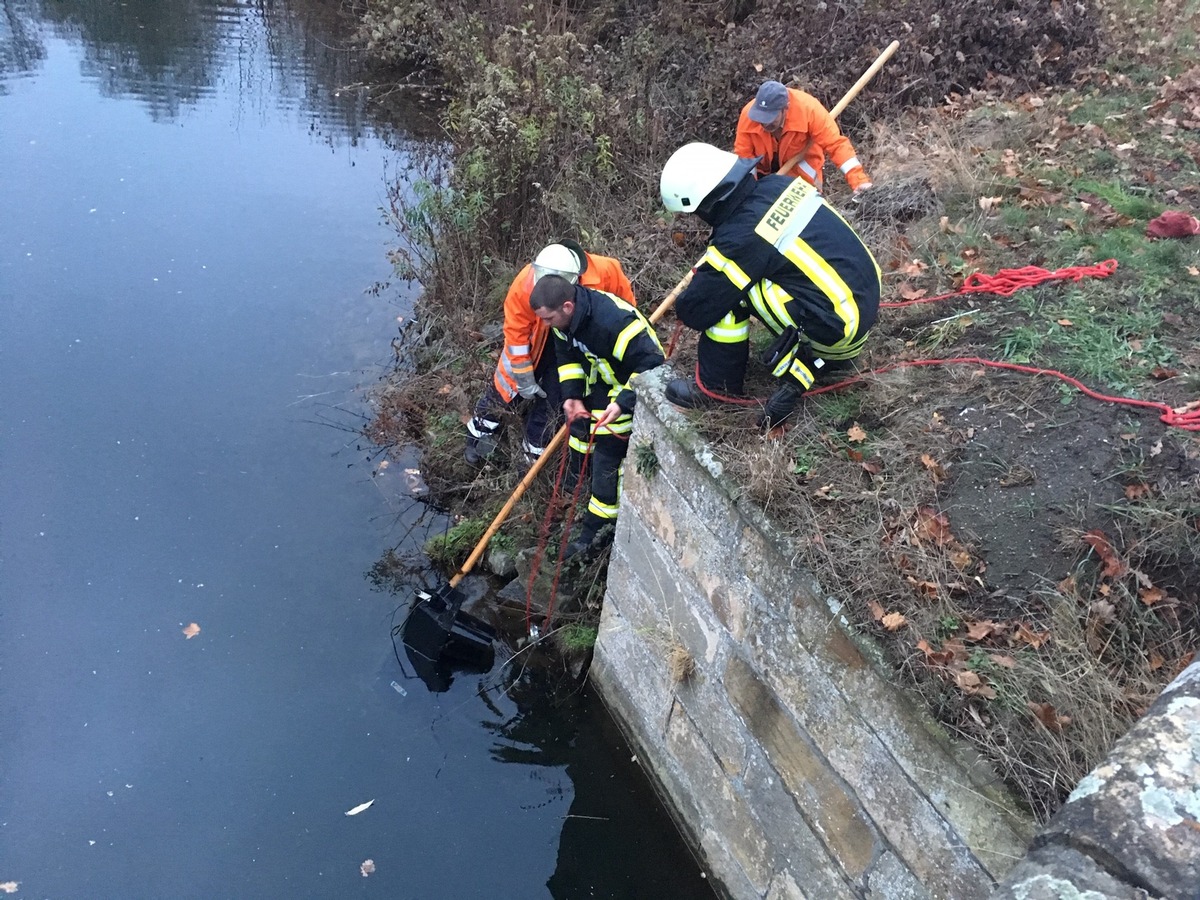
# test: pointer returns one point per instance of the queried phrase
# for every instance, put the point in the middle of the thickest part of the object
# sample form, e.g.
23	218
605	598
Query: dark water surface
188	221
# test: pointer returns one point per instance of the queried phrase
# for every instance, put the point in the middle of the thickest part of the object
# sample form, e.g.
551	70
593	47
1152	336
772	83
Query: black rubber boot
686	393
589	543
581	546
780	405
479	449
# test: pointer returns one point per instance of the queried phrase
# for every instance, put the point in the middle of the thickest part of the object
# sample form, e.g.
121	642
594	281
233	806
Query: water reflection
291	54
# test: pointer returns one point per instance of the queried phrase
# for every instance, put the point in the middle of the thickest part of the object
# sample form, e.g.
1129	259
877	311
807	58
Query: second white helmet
697	170
557	259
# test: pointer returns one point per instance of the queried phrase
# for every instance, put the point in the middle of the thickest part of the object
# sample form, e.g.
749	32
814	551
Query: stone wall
790	759
1131	829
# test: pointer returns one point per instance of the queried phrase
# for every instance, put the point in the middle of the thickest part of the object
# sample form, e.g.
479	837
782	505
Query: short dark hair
551	292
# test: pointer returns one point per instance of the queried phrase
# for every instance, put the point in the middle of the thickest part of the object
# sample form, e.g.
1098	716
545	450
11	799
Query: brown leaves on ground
856	434
892	621
1048	716
1114	566
931	526
972	683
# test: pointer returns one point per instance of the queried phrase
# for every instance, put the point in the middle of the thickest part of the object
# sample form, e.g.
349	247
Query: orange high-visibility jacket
525	334
808	129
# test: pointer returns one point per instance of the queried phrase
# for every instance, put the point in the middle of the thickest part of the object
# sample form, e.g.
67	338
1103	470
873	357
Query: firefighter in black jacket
601	343
777	252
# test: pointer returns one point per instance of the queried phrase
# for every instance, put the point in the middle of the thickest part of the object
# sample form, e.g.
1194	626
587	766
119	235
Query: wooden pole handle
517	493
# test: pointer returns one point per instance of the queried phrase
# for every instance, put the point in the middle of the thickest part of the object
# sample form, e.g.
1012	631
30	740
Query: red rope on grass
1008	281
1186	417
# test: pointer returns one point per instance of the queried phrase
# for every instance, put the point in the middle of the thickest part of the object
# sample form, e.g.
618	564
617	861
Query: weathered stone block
730	825
823	798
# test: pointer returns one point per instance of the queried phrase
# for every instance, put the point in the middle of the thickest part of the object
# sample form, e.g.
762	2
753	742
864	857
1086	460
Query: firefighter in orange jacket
781	122
527	367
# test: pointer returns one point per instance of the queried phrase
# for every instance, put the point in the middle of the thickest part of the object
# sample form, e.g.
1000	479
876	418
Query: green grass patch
455	545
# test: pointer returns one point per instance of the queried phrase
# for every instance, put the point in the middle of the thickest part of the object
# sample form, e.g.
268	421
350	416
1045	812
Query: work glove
860	190
780	404
528	387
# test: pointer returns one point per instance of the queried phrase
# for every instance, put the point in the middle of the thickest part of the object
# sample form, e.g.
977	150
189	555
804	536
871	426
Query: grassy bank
1030	557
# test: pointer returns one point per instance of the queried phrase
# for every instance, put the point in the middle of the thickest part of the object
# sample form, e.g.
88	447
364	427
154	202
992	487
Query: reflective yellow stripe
841	350
770	302
828	280
579	446
628	333
727	267
619	425
729	330
878	271
801	373
602	510
569	371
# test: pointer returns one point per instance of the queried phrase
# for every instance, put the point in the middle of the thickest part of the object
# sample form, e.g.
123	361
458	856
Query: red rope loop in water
1008	281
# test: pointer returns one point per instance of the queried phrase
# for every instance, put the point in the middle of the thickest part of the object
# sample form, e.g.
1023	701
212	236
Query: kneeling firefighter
780	253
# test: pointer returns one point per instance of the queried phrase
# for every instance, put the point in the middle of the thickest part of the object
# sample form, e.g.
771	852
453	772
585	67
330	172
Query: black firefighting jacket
606	343
778	235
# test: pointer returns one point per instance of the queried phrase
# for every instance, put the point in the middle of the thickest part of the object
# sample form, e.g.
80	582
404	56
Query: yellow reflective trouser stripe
840	350
628	333
602	510
568	371
829	281
729	330
727	267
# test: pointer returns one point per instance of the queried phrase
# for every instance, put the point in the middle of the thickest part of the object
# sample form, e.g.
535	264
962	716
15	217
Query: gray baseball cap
772	98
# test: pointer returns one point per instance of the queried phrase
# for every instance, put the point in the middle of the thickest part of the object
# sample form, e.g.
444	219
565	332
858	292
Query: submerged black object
442	639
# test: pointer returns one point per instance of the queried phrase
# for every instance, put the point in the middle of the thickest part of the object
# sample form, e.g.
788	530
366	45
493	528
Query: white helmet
557	259
697	170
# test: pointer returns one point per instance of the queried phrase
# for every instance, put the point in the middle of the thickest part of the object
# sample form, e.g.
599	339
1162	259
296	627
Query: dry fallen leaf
1151	595
933	526
1027	635
1156	448
1114	567
359	808
894	621
1156	661
191	631
1066	323
856	434
877	611
1048	716
934	467
1136	491
367	867
977	631
987	204
971	683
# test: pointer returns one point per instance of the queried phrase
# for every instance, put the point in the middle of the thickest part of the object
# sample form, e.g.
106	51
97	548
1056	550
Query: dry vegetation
1030	558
